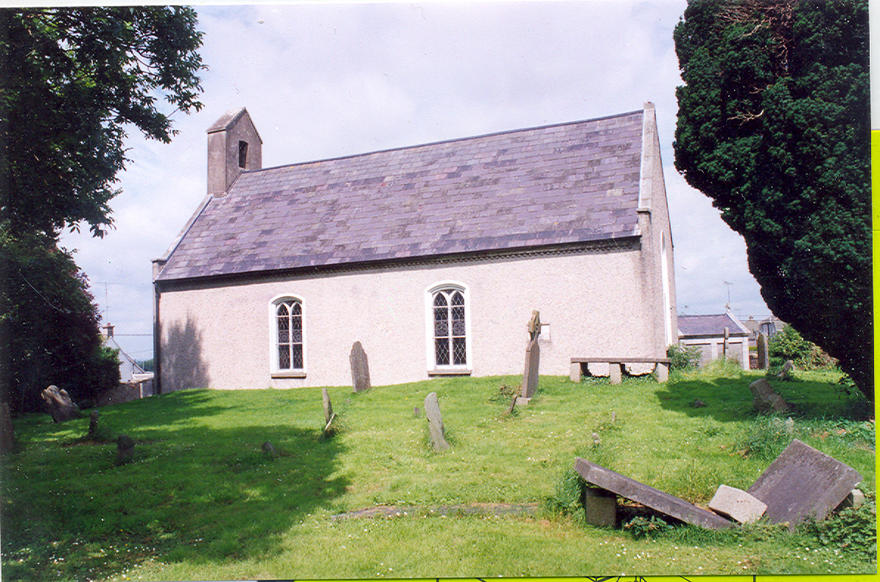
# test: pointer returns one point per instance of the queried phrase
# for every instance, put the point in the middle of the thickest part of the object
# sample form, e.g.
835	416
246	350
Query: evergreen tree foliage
73	81
773	126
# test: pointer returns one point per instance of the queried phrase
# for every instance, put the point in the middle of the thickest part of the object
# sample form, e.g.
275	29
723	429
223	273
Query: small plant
683	357
641	527
851	530
788	344
504	394
566	500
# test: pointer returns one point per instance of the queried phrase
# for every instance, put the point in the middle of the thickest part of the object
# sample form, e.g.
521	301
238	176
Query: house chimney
233	147
108	331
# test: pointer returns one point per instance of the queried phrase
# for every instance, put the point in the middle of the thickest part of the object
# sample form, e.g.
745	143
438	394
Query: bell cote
233	146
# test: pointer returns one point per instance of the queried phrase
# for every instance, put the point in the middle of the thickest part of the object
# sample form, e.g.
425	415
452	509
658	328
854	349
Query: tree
73	81
773	126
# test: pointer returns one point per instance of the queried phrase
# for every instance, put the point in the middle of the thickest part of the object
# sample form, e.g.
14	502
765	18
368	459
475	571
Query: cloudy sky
330	79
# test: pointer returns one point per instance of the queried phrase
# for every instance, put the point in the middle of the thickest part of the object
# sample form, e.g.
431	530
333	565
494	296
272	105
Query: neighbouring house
134	381
769	326
432	256
716	335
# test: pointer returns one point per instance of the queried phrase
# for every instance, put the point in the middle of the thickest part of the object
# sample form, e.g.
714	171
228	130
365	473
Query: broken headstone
737	504
435	422
124	449
767	401
698	404
60	406
803	482
654	498
269	449
360	368
329	415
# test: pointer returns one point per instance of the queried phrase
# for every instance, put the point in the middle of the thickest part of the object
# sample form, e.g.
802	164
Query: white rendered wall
219	336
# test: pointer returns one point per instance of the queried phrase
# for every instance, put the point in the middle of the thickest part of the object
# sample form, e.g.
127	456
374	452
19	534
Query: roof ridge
444	141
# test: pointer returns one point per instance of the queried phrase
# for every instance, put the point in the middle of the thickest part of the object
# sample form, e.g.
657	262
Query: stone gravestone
803	482
7	431
360	368
530	373
124	449
767	401
435	422
787	367
60	406
763	352
93	425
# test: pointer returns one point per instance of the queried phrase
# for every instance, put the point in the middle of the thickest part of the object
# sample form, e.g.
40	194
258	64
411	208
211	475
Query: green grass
200	500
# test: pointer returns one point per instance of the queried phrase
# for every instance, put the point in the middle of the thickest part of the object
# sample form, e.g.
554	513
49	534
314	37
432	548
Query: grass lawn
201	500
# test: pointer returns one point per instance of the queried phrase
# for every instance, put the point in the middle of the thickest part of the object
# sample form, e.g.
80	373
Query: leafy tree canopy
773	126
71	81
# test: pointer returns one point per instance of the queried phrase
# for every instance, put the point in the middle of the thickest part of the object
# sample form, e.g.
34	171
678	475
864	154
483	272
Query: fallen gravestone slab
767	401
60	406
360	368
435	422
802	483
654	498
737	504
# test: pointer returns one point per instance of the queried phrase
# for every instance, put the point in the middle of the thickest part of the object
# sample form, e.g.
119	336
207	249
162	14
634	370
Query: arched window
449	338
287	324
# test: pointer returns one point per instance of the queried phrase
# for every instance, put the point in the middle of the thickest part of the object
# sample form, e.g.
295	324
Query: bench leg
575	372
615	372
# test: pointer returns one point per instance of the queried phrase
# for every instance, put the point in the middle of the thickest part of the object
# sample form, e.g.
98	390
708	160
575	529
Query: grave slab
647	495
737	504
767	401
803	482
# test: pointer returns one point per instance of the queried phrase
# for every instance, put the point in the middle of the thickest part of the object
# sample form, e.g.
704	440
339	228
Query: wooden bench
615	367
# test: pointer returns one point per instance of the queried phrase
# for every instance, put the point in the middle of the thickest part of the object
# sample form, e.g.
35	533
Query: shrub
852	530
683	357
788	344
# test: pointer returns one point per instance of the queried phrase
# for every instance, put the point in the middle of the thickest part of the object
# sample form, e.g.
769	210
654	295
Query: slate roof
710	325
551	185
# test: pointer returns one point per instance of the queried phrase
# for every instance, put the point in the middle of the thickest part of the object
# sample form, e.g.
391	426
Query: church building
433	257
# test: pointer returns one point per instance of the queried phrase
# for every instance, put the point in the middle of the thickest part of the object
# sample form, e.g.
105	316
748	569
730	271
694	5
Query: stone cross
763	352
534	325
435	422
60	406
360	368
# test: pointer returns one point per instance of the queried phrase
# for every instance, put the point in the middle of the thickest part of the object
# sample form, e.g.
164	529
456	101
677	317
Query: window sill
450	372
288	374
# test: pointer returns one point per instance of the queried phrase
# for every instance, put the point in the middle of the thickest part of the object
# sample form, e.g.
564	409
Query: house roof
710	325
558	184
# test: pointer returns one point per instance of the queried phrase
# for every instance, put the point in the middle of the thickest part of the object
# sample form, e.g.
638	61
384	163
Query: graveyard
334	483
